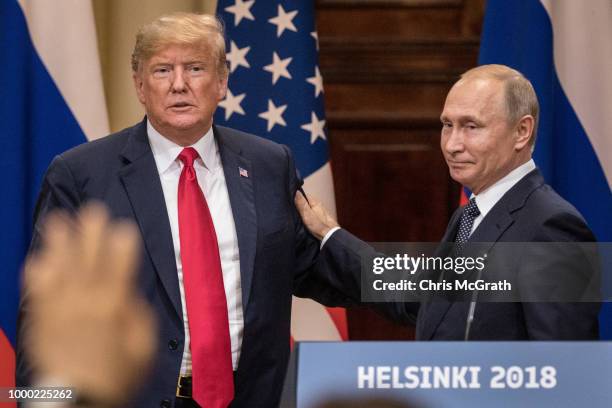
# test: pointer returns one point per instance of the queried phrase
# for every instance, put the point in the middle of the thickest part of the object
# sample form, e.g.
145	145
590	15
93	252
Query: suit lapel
242	200
453	224
500	218
492	228
141	182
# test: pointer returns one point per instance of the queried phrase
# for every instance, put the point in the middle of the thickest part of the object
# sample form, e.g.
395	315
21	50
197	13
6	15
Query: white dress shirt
487	199
211	179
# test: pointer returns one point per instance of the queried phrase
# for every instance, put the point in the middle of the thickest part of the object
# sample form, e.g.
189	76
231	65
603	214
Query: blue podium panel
458	374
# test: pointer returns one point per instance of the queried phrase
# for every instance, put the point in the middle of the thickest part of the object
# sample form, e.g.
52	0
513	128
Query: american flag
276	91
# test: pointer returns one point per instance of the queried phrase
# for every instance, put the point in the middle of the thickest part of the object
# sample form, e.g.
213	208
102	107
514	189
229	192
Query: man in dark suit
488	133
223	245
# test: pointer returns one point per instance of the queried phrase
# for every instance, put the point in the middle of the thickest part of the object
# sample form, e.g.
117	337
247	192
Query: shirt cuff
328	235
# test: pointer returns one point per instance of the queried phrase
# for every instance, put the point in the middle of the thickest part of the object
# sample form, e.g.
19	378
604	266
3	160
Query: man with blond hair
223	246
488	133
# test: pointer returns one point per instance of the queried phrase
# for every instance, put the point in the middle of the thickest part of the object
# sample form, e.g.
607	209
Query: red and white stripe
311	321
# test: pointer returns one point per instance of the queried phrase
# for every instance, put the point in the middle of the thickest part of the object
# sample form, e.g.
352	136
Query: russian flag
563	48
52	99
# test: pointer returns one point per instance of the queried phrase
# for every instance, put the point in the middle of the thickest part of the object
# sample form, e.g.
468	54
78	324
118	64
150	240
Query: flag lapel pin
243	172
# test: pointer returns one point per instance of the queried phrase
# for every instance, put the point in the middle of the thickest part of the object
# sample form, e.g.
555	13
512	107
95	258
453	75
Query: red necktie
212	376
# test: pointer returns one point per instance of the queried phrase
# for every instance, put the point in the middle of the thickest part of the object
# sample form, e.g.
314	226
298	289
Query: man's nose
179	80
453	142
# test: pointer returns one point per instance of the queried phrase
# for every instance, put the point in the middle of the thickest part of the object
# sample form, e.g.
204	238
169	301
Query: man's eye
196	68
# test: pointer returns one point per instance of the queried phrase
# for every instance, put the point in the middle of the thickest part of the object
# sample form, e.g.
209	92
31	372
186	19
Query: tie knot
188	155
472	208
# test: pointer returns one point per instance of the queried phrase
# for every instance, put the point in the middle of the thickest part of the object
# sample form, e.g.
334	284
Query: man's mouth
180	106
453	163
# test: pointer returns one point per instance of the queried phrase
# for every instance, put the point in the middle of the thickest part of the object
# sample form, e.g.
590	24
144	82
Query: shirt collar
165	151
488	198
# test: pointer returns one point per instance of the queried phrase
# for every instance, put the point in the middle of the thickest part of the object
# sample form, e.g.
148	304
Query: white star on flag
237	56
278	67
274	115
317	81
316	38
315	127
241	9
231	104
283	21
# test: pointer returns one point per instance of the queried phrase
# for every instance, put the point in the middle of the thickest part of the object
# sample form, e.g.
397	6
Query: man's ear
138	84
524	132
222	87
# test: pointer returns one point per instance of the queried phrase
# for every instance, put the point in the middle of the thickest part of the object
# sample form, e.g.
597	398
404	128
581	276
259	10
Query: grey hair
520	97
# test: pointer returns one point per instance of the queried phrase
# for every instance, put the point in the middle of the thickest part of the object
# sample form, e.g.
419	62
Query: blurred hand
315	217
87	326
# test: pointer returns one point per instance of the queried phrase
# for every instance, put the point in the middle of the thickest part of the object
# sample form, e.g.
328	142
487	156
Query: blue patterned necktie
470	212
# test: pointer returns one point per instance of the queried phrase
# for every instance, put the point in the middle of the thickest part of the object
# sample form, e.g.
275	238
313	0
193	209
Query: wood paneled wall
387	67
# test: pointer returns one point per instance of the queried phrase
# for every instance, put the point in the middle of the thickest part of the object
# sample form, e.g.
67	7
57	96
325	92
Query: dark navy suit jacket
531	211
276	252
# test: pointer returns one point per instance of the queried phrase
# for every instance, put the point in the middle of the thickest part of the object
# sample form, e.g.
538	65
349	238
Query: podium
452	374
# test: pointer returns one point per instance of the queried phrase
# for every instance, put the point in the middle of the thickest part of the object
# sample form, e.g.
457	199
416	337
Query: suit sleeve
340	266
568	270
58	192
332	276
306	283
